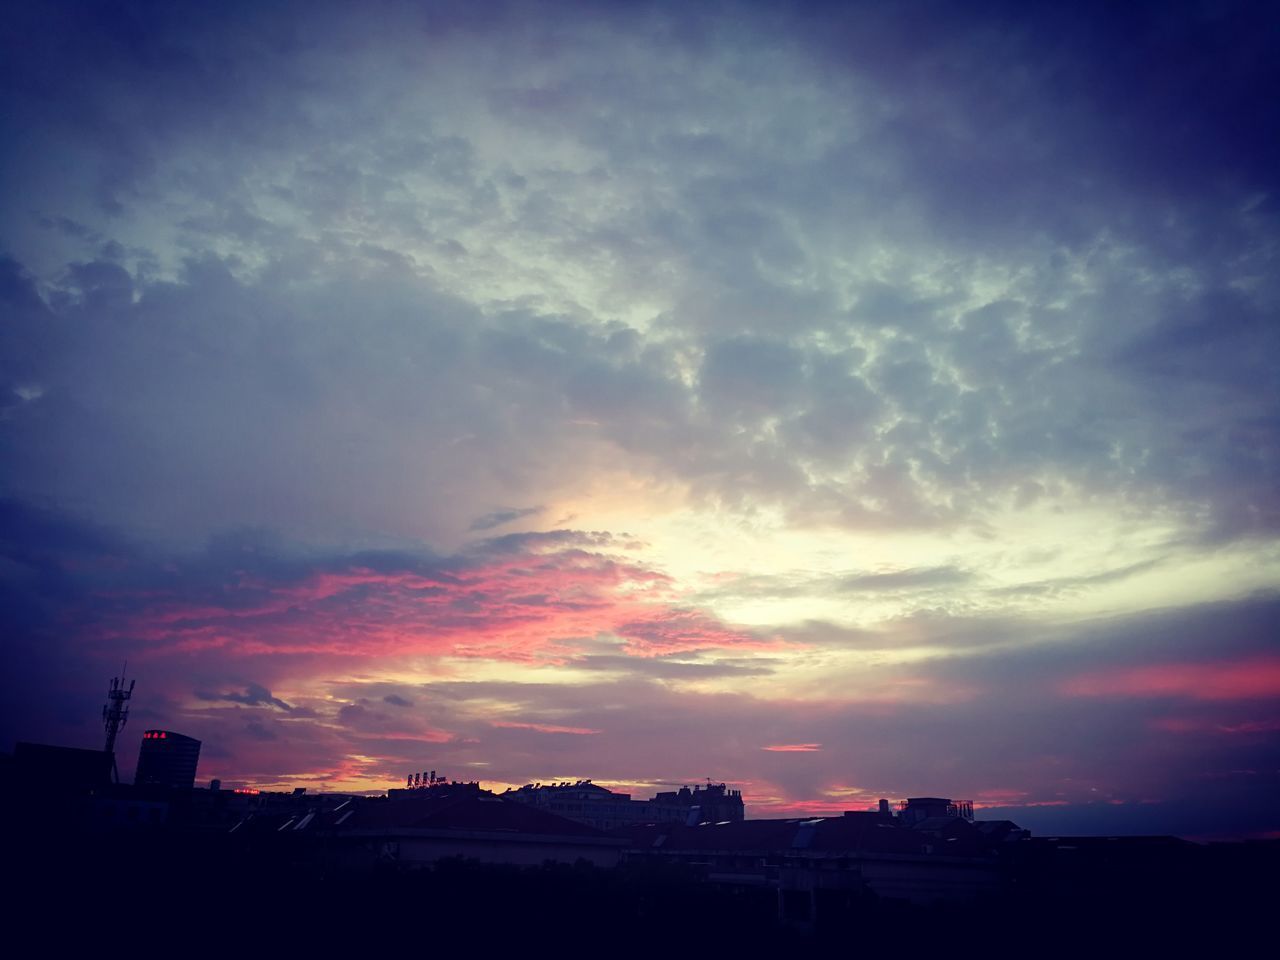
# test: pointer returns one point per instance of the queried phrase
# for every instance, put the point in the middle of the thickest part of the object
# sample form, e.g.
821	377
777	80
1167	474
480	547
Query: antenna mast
115	714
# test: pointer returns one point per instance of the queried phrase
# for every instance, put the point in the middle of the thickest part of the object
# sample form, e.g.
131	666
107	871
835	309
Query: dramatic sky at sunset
839	401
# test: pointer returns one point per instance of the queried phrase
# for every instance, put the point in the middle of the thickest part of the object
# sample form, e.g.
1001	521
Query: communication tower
115	714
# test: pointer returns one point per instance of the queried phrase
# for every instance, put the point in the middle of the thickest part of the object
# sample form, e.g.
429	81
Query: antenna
115	714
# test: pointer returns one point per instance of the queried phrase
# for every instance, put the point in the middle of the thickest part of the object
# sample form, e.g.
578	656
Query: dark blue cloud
254	695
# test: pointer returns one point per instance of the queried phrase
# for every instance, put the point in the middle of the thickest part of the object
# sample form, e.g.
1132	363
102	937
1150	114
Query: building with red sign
167	759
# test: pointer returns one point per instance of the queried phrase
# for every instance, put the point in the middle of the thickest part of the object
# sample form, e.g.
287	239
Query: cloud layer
547	386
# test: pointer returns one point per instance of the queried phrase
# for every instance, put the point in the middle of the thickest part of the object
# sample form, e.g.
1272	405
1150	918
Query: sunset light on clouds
841	401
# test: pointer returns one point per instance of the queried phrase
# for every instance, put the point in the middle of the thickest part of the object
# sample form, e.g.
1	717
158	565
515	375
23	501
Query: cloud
501	517
906	579
923	580
259	731
543	728
781	310
674	630
248	598
793	748
1057	585
670	668
905	345
254	695
685	715
1258	678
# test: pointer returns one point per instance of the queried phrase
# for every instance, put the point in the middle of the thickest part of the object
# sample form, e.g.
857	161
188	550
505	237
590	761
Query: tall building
167	759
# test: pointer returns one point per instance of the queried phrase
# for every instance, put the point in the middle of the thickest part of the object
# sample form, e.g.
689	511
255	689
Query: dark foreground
174	894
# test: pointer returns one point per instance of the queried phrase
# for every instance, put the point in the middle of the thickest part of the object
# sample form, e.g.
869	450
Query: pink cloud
664	630
523	606
794	748
1236	680
543	727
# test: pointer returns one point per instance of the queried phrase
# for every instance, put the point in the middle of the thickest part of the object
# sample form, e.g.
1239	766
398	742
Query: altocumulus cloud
983	362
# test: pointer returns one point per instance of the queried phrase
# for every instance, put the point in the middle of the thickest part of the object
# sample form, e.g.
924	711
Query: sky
841	401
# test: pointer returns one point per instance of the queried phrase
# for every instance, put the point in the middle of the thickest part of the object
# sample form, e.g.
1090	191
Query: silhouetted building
714	803
917	809
167	759
416	828
599	807
60	769
819	863
420	784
